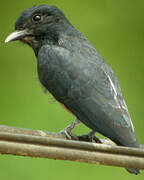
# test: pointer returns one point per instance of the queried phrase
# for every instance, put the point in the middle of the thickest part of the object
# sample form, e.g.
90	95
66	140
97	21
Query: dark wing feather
86	85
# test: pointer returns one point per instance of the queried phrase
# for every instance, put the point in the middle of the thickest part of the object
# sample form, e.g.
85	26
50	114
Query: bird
71	69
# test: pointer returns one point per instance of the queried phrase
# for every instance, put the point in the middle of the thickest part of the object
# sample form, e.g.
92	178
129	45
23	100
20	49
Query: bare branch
37	143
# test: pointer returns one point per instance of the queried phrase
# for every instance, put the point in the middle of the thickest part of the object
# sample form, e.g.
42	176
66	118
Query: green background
116	29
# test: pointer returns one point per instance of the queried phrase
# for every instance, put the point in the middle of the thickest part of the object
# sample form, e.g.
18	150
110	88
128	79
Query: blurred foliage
116	29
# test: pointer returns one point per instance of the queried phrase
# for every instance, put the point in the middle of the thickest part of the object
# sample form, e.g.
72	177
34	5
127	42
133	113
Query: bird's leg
90	137
68	130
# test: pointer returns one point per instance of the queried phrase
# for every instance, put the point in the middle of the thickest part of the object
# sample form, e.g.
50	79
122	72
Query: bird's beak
16	35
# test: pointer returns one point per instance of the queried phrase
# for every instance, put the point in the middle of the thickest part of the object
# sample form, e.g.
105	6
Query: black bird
70	68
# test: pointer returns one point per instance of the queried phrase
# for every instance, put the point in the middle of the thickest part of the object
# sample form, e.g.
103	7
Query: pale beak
16	35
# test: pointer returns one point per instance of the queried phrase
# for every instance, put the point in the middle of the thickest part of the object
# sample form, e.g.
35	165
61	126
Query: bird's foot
90	137
68	134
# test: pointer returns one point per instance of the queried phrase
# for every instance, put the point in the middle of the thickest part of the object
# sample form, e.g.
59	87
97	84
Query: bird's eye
37	18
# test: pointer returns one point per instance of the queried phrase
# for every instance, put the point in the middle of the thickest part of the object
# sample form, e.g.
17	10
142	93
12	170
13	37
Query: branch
37	143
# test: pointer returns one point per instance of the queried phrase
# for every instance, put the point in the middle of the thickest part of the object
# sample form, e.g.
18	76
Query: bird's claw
90	137
65	133
68	134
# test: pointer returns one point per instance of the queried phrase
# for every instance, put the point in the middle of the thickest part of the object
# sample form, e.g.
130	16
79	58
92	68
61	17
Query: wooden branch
37	143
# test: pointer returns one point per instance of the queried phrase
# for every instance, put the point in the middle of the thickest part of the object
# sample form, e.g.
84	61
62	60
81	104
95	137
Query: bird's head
38	25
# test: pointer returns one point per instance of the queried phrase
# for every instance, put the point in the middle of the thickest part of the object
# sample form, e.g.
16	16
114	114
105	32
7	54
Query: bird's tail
133	171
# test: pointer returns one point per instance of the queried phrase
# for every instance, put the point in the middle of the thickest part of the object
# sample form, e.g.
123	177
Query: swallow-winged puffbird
70	68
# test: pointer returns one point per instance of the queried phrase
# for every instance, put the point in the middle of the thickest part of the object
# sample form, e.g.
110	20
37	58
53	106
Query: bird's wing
87	86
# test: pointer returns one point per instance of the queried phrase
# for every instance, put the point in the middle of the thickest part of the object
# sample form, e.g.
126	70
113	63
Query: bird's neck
42	40
54	38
